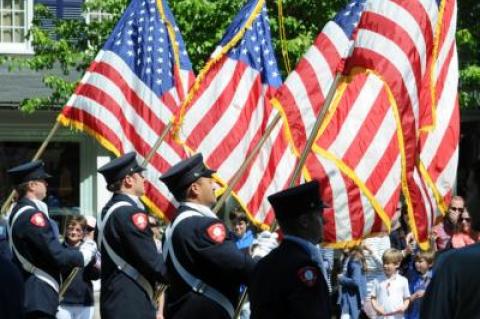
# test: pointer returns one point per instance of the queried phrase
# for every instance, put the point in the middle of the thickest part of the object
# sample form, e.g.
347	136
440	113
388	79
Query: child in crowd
244	236
391	295
353	285
418	281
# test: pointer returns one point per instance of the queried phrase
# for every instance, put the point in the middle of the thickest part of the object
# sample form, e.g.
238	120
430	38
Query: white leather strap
121	264
27	265
196	284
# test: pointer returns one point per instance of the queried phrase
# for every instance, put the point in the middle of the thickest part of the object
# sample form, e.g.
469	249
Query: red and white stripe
113	104
225	120
360	140
439	147
303	93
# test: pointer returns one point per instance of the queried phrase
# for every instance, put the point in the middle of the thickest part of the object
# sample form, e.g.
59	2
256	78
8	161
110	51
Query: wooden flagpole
239	173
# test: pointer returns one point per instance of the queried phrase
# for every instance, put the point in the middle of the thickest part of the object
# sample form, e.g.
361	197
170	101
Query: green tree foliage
73	44
468	42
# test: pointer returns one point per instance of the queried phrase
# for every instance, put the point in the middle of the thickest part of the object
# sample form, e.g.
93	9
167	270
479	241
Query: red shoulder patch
140	220
308	275
217	232
38	219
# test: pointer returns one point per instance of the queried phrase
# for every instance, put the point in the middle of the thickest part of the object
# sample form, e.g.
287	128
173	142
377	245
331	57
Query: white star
159	81
130	32
150	38
160	50
176	29
150	28
184	52
259	60
142	11
161	40
253	38
130	22
140	40
141	19
130	53
140	29
130	42
138	62
152	19
159	71
149	60
244	51
257	48
160	60
118	42
148	71
275	74
271	62
152	10
266	51
149	49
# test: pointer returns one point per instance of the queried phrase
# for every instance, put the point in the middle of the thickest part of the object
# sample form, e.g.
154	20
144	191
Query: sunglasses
467	219
89	229
457	209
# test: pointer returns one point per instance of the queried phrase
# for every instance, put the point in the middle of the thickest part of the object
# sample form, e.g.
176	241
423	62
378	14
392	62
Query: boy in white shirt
390	295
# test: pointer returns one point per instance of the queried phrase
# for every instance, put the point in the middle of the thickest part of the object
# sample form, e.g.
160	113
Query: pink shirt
460	240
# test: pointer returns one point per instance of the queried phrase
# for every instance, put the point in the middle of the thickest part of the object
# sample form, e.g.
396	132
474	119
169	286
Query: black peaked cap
28	172
120	167
297	200
184	173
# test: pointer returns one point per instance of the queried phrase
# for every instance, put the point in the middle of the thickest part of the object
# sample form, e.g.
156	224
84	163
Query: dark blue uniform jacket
35	240
128	234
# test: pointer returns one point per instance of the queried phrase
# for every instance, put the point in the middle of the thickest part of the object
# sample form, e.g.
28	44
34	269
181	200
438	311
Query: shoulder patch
308	275
140	220
38	220
217	232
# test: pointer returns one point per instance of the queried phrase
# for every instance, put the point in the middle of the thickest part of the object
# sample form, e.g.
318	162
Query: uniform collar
36	203
202	209
134	200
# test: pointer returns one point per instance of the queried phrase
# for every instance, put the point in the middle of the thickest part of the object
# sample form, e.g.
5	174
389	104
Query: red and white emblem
217	232
38	220
308	275
140	220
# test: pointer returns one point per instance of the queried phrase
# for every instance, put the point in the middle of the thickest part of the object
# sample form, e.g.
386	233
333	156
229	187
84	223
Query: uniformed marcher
131	265
204	267
34	240
289	282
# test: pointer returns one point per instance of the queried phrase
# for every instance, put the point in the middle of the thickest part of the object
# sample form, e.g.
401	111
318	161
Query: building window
15	20
61	161
97	16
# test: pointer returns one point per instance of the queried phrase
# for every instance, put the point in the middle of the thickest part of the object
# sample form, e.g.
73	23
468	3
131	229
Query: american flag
399	40
228	109
132	90
392	41
439	145
357	159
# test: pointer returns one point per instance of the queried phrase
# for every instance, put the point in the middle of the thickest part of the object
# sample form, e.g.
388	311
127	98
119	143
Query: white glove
88	249
264	243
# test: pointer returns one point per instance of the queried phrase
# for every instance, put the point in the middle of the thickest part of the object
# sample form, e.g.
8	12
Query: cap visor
208	173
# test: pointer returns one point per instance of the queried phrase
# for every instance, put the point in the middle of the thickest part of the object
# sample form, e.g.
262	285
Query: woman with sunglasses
464	234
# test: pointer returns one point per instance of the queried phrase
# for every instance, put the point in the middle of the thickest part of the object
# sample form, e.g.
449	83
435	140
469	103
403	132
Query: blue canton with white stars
141	39
255	48
349	17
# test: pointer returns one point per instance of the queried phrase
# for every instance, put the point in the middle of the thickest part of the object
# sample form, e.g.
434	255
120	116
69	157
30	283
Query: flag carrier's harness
121	264
196	284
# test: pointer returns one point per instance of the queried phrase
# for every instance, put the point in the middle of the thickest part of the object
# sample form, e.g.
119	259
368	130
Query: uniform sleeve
138	239
219	249
374	292
41	236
